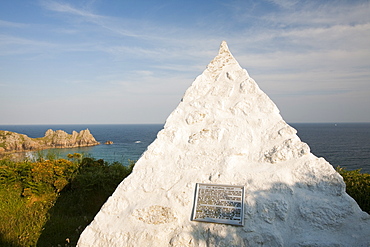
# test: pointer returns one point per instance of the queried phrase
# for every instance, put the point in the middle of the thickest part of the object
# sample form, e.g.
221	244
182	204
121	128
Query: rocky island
14	142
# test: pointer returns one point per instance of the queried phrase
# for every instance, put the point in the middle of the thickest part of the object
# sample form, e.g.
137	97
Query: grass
22	218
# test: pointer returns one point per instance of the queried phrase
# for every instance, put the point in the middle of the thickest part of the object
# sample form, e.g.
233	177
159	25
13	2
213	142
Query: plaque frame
225	204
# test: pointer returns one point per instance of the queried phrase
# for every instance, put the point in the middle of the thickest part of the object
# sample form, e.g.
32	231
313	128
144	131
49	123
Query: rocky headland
14	142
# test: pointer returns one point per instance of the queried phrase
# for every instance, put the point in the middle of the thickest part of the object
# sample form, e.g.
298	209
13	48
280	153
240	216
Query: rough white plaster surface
227	131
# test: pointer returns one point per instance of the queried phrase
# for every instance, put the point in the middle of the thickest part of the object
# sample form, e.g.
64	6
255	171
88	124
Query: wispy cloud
298	33
68	9
12	24
311	13
112	24
322	50
11	45
333	37
286	4
291	48
145	33
289	40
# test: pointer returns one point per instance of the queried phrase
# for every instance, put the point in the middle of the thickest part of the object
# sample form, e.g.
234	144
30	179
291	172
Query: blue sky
98	62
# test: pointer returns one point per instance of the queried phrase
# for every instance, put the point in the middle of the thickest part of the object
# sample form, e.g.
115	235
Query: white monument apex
226	131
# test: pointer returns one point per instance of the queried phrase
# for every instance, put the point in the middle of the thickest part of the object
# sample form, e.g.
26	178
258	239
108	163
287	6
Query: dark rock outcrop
14	142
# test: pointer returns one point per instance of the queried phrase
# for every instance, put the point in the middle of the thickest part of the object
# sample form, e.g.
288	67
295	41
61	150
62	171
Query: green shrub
357	186
27	191
49	202
81	200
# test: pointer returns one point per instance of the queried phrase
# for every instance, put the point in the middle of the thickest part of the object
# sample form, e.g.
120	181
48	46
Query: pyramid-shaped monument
227	170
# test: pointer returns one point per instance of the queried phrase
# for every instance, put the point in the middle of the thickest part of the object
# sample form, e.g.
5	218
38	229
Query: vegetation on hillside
357	186
49	202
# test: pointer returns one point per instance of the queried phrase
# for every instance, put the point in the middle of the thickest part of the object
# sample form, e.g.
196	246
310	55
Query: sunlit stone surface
227	131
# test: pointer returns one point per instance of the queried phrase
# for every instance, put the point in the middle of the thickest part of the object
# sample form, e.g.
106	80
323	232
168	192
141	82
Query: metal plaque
219	204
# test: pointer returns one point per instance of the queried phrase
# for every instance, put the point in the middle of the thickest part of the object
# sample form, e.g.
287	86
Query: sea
343	144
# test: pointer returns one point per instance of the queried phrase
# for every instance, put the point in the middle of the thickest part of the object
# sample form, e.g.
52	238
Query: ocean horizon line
81	124
54	124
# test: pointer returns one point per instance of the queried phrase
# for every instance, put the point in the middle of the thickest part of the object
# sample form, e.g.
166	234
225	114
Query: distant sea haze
344	144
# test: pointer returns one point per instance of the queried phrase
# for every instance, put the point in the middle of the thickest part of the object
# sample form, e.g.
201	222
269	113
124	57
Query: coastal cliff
14	142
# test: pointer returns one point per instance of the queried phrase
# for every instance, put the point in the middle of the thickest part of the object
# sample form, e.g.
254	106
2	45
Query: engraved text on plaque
219	204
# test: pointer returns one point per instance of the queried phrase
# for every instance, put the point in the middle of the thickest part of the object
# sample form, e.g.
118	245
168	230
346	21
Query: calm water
347	145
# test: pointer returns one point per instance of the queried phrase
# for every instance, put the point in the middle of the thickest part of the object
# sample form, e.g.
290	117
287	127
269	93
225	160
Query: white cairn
227	131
